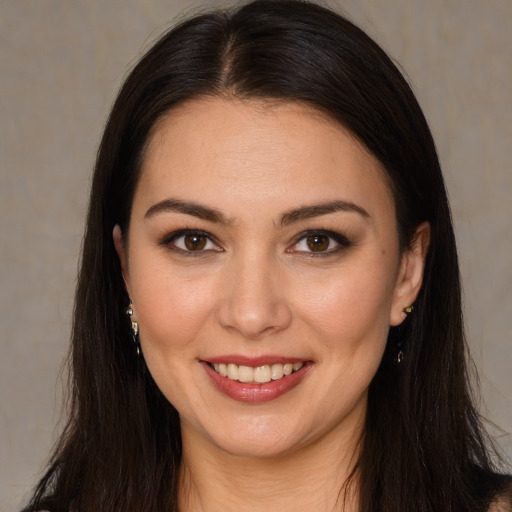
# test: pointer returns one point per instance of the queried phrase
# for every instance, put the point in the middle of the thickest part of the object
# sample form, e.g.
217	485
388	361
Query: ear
410	274
121	253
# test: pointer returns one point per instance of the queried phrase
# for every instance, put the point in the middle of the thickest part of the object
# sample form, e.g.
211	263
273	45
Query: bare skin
265	231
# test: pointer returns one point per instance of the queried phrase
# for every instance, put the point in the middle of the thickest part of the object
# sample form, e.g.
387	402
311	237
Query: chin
266	445
248	436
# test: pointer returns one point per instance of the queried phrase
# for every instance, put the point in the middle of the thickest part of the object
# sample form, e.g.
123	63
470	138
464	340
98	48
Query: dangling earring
135	330
399	338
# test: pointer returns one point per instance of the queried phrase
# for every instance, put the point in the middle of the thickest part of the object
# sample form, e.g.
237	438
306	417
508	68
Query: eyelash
341	241
169	242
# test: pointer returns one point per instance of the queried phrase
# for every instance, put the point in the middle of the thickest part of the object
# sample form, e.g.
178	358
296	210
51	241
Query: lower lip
256	393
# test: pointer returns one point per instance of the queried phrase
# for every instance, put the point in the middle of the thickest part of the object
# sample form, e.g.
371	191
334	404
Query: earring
399	353
399	337
135	329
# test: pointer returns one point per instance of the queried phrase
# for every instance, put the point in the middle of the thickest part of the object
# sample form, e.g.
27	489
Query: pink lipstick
286	374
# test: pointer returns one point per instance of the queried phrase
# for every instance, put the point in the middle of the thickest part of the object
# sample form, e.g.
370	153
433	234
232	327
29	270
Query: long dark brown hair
423	446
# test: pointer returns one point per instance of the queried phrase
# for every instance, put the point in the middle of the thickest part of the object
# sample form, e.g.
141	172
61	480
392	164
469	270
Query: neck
312	478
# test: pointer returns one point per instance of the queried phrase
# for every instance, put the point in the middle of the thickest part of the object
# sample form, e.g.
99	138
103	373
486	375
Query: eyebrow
316	210
289	217
188	208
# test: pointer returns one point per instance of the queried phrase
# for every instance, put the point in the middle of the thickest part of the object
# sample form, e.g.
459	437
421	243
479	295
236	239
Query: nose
254	302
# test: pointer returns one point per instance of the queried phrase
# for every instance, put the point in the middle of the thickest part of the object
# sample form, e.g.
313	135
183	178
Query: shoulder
503	501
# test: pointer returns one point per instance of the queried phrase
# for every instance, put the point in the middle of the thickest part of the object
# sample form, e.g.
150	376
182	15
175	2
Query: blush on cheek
356	334
346	308
172	316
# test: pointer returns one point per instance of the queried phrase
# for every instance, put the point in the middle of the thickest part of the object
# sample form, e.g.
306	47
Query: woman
268	309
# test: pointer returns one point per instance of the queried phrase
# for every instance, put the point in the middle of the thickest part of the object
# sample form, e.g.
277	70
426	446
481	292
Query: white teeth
277	371
245	374
262	374
233	371
259	374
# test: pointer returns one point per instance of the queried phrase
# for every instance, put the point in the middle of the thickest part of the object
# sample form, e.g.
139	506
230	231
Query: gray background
61	63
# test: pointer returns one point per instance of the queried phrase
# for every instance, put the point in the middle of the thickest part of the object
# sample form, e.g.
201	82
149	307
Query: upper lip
263	360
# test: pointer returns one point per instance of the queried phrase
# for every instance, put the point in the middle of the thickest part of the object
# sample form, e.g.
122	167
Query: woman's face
263	241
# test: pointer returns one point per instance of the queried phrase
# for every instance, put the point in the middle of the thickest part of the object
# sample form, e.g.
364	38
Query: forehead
256	151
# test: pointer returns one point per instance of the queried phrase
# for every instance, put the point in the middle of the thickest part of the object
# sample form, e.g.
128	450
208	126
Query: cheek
348	316
172	312
170	309
350	305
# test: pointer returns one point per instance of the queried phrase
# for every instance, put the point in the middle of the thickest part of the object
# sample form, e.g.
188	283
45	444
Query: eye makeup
319	242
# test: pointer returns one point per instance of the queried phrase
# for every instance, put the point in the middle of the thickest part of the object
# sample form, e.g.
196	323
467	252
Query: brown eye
320	243
317	243
186	241
195	242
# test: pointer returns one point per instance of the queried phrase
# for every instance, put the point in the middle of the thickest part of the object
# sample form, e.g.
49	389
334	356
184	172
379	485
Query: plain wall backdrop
61	63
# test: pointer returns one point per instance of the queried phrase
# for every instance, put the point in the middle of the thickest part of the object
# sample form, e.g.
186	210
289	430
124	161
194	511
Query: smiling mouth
255	375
